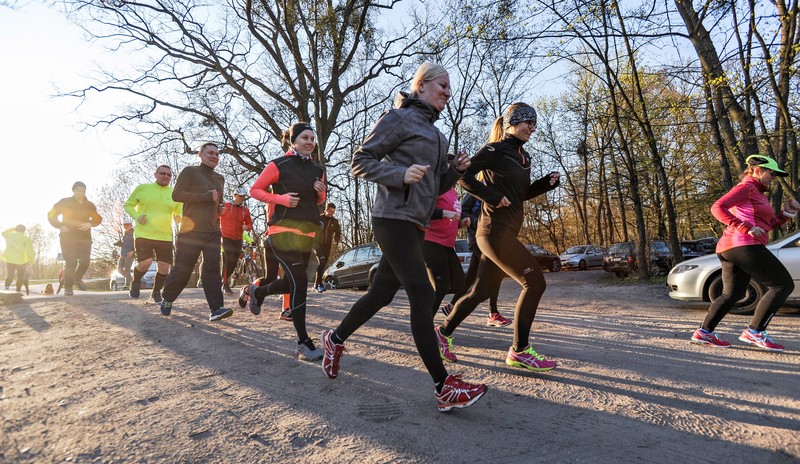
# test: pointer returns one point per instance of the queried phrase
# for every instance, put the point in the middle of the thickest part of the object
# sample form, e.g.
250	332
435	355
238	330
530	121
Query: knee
535	281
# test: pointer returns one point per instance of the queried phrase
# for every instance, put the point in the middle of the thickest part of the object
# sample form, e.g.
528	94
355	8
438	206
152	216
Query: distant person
748	216
330	232
406	156
17	255
294	186
200	190
126	254
75	216
235	220
155	212
506	185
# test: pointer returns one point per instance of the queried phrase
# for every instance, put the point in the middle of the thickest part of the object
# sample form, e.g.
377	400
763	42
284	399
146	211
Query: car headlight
683	268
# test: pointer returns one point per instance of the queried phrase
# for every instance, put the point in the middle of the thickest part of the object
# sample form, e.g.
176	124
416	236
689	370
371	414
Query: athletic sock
137	277
335	339
158	283
445	331
439	387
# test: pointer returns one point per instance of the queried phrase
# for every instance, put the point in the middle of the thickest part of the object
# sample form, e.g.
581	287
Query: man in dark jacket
331	232
200	190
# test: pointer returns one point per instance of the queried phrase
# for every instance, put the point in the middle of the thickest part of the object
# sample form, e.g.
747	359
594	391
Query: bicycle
246	270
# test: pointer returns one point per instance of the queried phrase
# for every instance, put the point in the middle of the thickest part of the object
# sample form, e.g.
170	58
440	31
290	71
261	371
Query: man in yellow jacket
17	255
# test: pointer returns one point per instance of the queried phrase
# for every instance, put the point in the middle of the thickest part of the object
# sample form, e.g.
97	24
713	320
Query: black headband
518	115
297	129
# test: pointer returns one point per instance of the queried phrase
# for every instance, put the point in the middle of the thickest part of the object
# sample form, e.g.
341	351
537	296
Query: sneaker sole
495	324
774	350
462	405
707	343
528	367
224	315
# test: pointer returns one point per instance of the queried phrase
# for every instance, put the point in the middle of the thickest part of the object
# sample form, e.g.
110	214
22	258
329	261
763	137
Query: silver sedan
700	279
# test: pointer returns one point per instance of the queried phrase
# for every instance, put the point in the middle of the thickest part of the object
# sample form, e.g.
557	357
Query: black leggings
401	264
738	265
294	282
469	279
20	270
188	248
231	249
76	256
511	257
322	255
444	271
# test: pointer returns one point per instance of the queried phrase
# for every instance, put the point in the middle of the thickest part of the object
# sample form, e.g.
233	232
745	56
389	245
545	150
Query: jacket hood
404	100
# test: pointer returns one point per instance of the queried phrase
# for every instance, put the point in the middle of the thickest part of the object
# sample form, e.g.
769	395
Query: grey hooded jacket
404	136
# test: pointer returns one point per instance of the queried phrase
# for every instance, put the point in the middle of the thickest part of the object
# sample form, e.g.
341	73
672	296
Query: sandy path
100	378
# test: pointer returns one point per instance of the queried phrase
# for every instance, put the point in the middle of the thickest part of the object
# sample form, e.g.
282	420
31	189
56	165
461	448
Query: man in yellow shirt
152	207
17	255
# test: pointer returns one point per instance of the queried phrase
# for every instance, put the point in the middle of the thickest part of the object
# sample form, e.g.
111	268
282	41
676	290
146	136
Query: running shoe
226	289
305	353
760	339
704	337
497	320
446	309
156	297
333	352
81	285
286	315
220	313
252	299
134	291
68	291
458	394
445	346
529	359
244	296
166	307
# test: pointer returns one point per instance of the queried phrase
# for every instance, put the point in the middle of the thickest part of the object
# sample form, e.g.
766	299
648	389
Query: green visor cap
766	162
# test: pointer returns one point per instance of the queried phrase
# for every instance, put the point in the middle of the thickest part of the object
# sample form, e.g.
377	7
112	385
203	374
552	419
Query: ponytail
497	133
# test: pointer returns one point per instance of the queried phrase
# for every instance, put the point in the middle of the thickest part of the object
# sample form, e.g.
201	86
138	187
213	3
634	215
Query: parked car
117	280
695	248
700	279
354	268
621	258
582	257
464	253
545	259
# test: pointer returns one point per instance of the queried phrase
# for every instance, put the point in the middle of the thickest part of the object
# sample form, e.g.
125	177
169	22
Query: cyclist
152	207
235	220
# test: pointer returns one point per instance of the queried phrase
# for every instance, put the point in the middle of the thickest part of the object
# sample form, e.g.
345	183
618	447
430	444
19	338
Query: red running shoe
704	337
458	394
497	320
333	351
445	346
529	359
760	339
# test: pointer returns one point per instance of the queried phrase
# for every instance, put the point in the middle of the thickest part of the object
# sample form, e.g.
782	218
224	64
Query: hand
504	202
554	177
466	222
293	200
142	219
792	206
214	195
756	231
319	186
221	209
84	226
462	161
414	173
450	215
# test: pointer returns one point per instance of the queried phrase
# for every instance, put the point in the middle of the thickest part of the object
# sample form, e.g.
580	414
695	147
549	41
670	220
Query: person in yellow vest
17	255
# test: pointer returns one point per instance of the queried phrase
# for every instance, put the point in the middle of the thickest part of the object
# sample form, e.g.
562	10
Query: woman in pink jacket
748	215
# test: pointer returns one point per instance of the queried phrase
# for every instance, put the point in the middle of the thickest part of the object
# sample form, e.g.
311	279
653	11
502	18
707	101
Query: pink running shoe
446	309
458	394
703	337
445	346
760	339
333	351
529	359
497	320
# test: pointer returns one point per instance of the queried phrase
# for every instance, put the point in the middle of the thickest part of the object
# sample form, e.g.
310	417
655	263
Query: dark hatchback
354	268
545	259
621	258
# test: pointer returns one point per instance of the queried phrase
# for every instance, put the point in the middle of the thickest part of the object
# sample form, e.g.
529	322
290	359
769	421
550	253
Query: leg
22	270
734	287
84	257
69	252
294	283
210	273
187	250
487	279
322	262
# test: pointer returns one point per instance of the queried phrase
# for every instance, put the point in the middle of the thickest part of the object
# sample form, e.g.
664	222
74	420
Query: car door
594	257
342	268
361	265
789	255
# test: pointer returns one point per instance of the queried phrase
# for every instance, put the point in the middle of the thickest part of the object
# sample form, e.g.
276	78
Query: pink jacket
443	231
745	206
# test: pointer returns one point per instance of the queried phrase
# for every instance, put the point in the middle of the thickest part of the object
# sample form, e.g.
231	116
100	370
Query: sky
45	150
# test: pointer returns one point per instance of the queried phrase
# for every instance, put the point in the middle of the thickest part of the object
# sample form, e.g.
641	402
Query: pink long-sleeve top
745	206
443	231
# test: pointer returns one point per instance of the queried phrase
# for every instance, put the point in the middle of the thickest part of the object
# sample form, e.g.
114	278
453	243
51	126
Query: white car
464	254
117	280
699	279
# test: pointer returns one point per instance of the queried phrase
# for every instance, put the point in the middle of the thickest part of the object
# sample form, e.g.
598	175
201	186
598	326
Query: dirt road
100	378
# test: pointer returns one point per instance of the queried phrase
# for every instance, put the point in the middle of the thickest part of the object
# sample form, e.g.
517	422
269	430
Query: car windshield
620	248
576	250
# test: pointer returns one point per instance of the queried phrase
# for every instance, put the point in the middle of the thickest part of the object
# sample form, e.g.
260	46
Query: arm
248	222
131	204
541	186
322	195
52	216
721	208
438	213
182	193
94	219
177	212
337	231
29	255
383	138
482	160
269	176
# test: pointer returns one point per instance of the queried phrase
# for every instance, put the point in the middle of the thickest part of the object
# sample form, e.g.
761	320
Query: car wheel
331	283
113	286
582	265
746	305
556	266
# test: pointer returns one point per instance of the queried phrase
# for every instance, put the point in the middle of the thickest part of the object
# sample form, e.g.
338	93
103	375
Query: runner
152	207
200	189
748	217
77	217
126	252
331	232
507	172
17	255
406	155
235	221
297	188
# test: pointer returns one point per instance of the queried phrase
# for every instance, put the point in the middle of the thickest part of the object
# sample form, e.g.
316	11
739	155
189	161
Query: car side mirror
340	264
